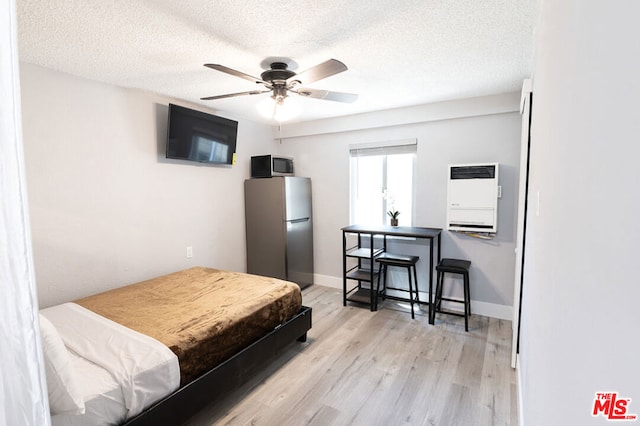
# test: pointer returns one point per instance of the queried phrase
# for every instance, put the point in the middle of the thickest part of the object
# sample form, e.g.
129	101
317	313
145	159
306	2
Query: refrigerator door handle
304	219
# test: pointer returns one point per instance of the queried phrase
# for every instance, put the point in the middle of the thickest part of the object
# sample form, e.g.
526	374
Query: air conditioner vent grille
473	172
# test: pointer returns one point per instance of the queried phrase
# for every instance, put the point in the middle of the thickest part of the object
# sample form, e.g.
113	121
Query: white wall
580	302
107	209
323	154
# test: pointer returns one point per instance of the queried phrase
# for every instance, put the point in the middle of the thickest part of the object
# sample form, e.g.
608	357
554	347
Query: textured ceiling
399	53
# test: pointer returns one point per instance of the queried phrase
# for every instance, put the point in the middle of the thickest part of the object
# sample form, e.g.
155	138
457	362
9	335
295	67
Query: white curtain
23	391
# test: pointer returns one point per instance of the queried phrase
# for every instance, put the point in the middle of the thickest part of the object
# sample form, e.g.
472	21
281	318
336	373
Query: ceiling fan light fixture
279	108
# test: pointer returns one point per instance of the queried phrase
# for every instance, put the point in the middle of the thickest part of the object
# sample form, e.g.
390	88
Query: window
382	180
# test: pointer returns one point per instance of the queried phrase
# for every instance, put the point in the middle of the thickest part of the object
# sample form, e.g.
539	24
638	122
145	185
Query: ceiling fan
280	80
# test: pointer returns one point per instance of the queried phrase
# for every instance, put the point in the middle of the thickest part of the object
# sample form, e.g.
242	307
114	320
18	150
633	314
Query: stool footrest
454	313
452	300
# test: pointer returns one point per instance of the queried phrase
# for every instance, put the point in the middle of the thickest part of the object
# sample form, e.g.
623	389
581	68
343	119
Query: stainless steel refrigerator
279	228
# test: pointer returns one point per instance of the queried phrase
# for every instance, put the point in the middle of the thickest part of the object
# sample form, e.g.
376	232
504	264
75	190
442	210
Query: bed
159	350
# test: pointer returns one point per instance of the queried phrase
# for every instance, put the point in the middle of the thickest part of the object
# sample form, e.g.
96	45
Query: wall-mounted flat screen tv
197	136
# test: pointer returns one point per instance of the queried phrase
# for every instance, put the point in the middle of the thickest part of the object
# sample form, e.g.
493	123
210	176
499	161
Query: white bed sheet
103	399
122	371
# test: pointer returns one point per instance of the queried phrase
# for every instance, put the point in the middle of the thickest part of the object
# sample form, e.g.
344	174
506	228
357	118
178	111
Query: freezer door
298	198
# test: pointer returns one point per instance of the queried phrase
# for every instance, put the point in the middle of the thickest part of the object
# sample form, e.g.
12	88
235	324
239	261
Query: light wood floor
379	368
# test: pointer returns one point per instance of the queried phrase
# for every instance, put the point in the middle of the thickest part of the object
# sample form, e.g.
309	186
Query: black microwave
264	166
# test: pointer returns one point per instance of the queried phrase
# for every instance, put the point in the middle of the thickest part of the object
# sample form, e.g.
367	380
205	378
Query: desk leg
344	269
371	300
431	312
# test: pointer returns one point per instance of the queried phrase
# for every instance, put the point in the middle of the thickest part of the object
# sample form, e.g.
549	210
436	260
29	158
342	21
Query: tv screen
197	136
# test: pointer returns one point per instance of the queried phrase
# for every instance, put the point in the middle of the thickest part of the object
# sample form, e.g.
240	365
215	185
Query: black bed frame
179	406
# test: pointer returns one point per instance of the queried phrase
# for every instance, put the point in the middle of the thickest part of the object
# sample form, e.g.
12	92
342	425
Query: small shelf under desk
363	253
359	275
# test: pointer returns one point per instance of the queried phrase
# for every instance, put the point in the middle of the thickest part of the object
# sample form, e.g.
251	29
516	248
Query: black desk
395	231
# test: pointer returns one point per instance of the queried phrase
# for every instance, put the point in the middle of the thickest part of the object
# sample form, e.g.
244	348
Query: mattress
203	315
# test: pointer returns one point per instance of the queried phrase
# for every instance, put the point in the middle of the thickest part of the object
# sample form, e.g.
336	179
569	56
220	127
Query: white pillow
65	394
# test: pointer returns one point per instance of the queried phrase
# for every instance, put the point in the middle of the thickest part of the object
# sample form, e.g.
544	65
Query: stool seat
456	266
453	266
400	259
387	259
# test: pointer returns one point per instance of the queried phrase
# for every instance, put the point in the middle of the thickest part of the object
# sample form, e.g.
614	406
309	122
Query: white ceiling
399	53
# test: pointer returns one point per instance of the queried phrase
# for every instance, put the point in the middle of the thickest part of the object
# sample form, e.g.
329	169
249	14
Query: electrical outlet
189	252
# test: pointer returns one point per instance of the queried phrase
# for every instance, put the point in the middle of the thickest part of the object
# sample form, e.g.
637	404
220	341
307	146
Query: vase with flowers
393	214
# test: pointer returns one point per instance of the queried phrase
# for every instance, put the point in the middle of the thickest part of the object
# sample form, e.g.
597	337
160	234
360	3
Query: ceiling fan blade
320	71
231	95
326	95
233	72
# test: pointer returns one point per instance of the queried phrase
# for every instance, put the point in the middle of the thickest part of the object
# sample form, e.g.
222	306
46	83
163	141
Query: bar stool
400	260
454	266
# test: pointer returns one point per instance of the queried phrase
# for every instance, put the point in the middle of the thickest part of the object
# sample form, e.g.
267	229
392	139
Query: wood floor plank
379	368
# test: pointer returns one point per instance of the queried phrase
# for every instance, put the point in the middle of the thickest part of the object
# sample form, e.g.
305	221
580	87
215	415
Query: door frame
526	101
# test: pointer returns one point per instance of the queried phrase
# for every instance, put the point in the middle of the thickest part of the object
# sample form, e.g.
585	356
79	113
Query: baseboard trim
327	281
486	309
519	391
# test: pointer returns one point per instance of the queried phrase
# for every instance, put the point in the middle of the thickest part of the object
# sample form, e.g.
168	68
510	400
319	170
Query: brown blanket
203	315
